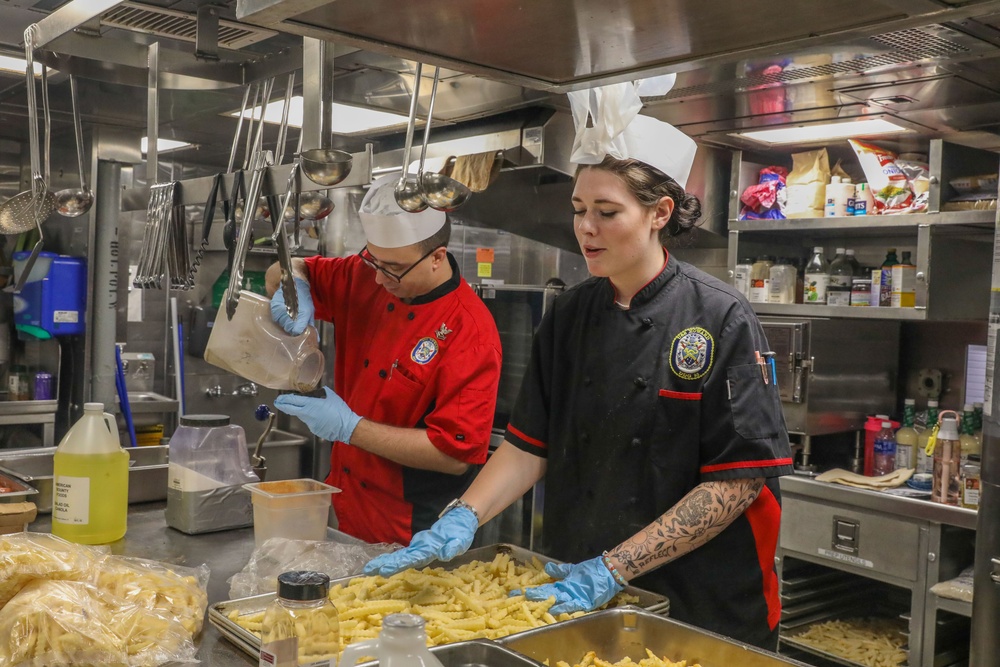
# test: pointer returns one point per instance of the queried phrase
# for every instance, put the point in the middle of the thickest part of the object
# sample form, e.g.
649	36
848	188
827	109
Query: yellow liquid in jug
90	503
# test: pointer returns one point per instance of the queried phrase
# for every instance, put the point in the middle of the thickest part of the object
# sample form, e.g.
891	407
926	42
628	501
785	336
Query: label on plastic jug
72	500
66	316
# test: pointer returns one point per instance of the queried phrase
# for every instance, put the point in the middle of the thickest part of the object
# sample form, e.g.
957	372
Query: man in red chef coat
416	372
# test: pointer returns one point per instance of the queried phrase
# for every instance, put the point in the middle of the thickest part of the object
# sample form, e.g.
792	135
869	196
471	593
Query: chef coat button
366	363
363	485
382	374
392	307
460	437
347	471
584	437
647	322
636	442
586	382
410	316
640	382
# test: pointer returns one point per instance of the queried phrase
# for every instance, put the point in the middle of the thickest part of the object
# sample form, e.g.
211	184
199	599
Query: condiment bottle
816	278
402	643
884	461
760	279
301	626
741	276
947	453
925	463
970	444
90	480
782	282
907	437
838	289
971	482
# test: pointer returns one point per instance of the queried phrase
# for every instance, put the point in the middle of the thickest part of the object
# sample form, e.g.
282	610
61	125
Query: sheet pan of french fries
465	599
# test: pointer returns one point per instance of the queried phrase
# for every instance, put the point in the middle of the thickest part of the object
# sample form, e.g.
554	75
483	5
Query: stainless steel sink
147	478
150	401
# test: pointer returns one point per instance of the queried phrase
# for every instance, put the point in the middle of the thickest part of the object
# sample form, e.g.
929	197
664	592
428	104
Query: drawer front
865	540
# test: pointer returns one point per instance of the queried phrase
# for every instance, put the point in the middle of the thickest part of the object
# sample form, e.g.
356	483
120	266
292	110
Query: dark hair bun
687	214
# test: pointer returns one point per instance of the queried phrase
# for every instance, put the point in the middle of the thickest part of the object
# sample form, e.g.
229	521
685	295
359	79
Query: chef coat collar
650	289
444	288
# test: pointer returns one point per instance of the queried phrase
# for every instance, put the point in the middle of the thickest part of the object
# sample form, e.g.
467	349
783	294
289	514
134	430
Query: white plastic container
402	643
839	198
90	480
296	509
252	346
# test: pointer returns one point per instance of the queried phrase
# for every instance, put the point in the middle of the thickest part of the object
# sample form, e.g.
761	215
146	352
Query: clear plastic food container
295	509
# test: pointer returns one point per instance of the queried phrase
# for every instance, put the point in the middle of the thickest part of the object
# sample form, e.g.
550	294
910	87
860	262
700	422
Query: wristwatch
458	502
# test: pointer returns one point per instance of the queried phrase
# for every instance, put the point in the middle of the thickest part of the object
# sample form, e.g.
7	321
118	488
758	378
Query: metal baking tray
147	475
626	632
17	491
218	613
473	653
792	640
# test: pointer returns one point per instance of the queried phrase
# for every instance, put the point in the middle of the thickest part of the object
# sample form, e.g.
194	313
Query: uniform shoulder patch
691	353
425	350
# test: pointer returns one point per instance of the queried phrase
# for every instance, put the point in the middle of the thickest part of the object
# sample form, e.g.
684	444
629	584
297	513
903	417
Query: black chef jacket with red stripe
633	409
433	363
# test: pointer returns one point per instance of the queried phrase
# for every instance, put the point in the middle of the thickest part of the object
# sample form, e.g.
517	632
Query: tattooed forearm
698	517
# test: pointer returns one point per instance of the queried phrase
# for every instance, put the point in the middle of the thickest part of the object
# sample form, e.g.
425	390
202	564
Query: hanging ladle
439	191
310	205
325	166
73	202
407	191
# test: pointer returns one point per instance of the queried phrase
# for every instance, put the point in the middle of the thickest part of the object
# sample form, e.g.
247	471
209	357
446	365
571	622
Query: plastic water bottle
90	480
885	451
403	643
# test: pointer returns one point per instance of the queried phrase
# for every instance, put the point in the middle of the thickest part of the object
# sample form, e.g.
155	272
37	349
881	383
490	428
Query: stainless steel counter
225	553
923	510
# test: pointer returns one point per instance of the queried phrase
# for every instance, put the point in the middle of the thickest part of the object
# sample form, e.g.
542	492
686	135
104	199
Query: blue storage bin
53	301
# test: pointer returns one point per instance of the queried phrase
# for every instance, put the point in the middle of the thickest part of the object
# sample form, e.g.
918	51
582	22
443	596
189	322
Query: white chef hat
616	128
387	225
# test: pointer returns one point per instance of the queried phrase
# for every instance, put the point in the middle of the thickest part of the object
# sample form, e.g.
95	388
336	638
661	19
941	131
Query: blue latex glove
584	586
450	536
306	312
328	418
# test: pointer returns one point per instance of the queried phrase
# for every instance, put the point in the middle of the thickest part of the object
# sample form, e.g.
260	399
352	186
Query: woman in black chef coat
651	412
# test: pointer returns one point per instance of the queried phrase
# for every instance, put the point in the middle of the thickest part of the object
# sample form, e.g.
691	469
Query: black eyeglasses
370	260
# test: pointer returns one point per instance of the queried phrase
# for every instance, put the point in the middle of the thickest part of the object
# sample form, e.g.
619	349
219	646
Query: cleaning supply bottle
907	437
90	480
924	461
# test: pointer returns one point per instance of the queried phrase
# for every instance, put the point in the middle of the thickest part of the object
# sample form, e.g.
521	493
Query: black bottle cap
303	585
204	421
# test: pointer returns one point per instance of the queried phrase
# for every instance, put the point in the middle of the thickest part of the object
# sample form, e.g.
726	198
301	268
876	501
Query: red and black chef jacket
633	409
433	363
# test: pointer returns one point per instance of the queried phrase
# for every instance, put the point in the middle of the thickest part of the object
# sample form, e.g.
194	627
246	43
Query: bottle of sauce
782	282
924	462
301	626
90	480
971	482
907	437
977	413
885	280
969	442
884	461
760	279
838	289
947	462
816	278
741	276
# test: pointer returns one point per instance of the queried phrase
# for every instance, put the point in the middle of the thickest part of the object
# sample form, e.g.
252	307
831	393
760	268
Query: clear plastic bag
71	622
278	555
25	557
959	588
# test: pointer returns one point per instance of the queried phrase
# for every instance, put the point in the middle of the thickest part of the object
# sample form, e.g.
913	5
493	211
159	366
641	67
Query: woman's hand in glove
450	536
303	317
328	418
583	586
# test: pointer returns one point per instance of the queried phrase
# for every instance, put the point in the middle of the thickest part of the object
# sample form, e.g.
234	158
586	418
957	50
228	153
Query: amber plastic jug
90	480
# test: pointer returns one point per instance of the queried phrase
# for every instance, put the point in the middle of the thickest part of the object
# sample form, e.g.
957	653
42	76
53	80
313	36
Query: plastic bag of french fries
25	557
471	601
63	603
75	623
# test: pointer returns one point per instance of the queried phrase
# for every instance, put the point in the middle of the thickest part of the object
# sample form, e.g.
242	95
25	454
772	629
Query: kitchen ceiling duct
164	22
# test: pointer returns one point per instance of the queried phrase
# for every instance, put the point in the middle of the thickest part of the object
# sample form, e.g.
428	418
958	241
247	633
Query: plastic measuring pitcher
90	480
252	346
402	643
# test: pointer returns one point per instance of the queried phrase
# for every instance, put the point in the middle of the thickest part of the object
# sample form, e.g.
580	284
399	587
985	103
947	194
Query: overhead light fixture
800	134
162	145
347	119
18	65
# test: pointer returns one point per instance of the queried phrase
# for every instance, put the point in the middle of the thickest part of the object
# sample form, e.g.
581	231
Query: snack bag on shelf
889	185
